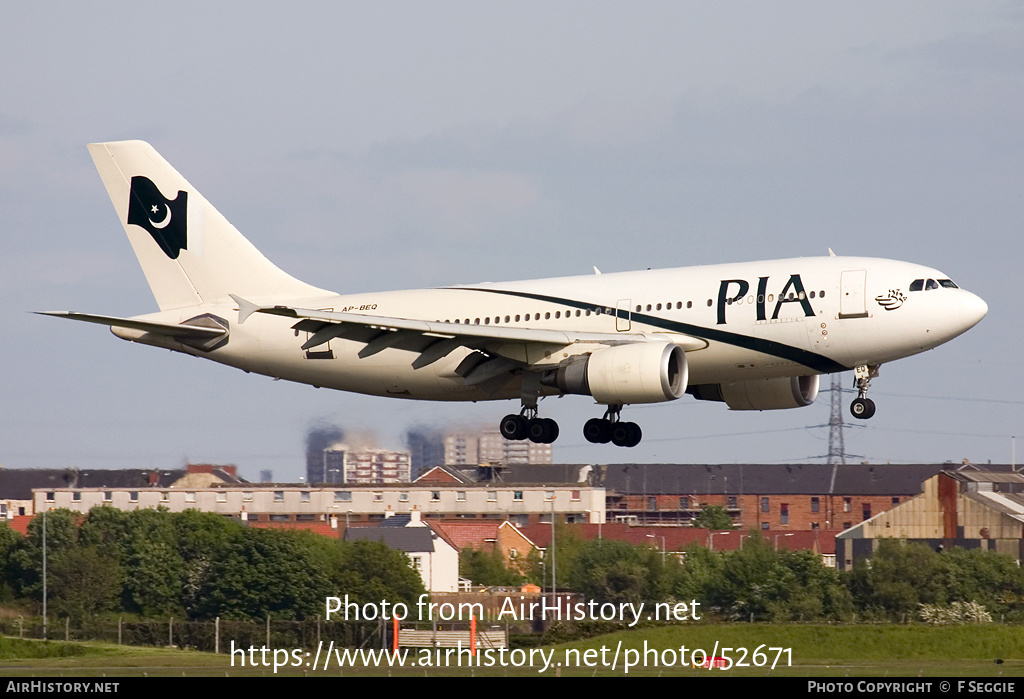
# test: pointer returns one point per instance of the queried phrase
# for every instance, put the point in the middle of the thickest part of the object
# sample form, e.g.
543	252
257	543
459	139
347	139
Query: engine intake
641	372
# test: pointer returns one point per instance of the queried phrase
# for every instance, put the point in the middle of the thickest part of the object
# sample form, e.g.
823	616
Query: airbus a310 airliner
756	335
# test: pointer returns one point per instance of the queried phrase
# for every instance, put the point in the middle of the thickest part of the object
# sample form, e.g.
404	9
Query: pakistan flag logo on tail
164	218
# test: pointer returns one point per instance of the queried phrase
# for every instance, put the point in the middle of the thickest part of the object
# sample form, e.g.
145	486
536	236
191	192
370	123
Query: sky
394	145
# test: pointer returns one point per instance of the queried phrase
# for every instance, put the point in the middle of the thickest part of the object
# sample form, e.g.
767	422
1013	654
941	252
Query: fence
210	636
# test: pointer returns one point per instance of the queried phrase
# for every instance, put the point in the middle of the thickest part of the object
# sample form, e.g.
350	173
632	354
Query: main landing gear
526	425
611	429
540	430
863	407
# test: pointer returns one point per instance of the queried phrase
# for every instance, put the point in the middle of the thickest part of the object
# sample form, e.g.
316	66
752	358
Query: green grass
816	651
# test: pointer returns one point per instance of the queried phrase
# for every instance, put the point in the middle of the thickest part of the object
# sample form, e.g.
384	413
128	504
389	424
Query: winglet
245	308
596	270
830	253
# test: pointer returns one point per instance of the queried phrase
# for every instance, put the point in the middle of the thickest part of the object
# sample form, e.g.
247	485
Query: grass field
813	651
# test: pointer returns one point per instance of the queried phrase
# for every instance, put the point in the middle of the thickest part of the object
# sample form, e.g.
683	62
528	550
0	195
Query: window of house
765	507
846	504
305	496
492	496
684	503
403	497
732	502
190	496
866	510
76	496
575	496
278	496
784	513
460	495
517	495
814	504
435	495
222	497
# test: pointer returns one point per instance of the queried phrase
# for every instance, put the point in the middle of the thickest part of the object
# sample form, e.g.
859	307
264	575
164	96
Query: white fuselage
753	320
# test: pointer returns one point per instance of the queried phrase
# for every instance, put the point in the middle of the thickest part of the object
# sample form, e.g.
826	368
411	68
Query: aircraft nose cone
973	309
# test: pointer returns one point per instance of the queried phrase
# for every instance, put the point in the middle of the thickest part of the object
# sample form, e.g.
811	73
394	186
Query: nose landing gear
863	407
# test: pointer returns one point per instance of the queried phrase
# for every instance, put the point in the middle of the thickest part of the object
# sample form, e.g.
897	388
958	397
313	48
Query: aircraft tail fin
191	255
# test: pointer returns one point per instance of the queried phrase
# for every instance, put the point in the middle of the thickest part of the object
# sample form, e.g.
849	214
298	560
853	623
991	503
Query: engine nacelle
761	394
641	372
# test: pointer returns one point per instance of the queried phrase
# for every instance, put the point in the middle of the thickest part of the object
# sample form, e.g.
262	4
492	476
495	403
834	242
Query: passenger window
917	285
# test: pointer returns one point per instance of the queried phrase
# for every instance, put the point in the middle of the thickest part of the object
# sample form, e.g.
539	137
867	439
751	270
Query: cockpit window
917	285
948	284
931	284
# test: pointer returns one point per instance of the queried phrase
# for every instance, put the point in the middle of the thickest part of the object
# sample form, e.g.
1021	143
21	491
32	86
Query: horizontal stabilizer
202	332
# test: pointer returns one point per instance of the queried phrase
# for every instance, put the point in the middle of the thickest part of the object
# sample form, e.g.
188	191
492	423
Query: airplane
754	335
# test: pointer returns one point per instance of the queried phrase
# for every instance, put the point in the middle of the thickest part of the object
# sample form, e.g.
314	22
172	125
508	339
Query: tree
487	568
82	582
613	571
713	517
370	571
899	576
25	565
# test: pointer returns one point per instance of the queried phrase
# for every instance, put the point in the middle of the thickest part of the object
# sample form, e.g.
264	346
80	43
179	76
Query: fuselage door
622	315
851	294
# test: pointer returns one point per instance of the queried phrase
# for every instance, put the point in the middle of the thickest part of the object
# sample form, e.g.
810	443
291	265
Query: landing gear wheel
862	408
597	431
543	430
626	434
514	427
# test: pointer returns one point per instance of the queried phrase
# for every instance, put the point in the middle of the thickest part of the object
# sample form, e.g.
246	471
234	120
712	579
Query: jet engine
641	372
761	394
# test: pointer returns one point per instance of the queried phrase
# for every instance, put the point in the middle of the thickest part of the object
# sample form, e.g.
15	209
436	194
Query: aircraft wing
503	347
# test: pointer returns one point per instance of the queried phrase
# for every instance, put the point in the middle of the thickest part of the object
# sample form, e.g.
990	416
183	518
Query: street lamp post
777	539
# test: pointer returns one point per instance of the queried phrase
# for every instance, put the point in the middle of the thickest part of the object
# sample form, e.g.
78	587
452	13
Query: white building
487	446
520	504
343	464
